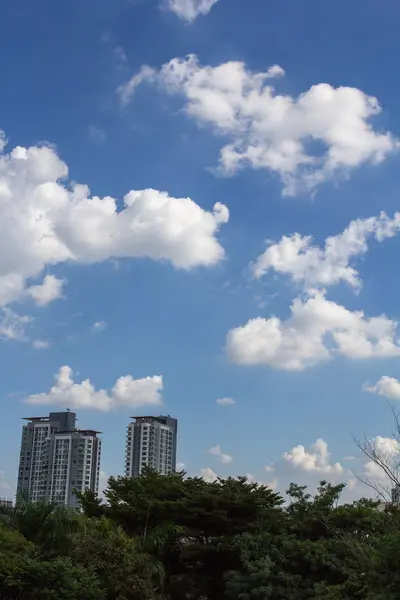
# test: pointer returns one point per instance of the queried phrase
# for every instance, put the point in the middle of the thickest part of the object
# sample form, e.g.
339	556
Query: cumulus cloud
45	221
50	289
189	10
316	459
225	459
208	474
311	266
316	330
304	466
387	450
225	401
309	465
386	386
180	466
127	392
268	130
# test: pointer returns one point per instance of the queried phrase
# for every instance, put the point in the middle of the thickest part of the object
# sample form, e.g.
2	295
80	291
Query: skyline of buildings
57	458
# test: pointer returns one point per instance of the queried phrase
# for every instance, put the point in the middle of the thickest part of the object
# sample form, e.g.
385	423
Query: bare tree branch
387	461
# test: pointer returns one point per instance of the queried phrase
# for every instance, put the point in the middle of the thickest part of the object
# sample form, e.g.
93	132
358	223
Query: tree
384	457
23	574
202	519
47	525
323	549
124	570
171	538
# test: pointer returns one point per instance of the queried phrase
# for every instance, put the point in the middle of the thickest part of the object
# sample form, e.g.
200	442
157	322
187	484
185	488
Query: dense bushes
171	538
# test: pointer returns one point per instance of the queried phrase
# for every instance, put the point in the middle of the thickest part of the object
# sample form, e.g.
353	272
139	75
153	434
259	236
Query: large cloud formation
316	460
312	266
316	330
45	221
127	392
268	130
386	386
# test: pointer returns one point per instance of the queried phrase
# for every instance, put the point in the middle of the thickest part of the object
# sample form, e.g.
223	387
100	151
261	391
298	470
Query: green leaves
176	538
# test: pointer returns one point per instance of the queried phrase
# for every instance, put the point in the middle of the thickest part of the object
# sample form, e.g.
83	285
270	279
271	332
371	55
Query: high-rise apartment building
151	442
57	458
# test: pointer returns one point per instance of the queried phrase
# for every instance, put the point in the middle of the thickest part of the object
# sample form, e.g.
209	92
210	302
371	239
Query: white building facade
57	458
151	442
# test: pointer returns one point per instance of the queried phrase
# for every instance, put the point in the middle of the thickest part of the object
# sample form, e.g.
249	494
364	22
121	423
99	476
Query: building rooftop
155	418
84	431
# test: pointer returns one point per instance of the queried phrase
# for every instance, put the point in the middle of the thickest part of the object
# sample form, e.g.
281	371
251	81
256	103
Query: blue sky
168	306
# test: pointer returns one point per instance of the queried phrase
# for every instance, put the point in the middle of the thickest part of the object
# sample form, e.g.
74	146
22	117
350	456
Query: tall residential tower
57	458
151	442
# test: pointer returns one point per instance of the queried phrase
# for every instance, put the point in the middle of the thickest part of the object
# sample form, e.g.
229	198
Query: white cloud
387	452
208	474
225	401
127	392
386	386
127	90
3	140
273	484
316	460
225	459
12	326
180	466
268	130
308	466
45	220
310	265
189	10
99	326
50	289
316	330
41	344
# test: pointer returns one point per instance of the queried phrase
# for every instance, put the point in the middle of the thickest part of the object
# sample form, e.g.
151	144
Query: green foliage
24	574
176	538
124	570
198	521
